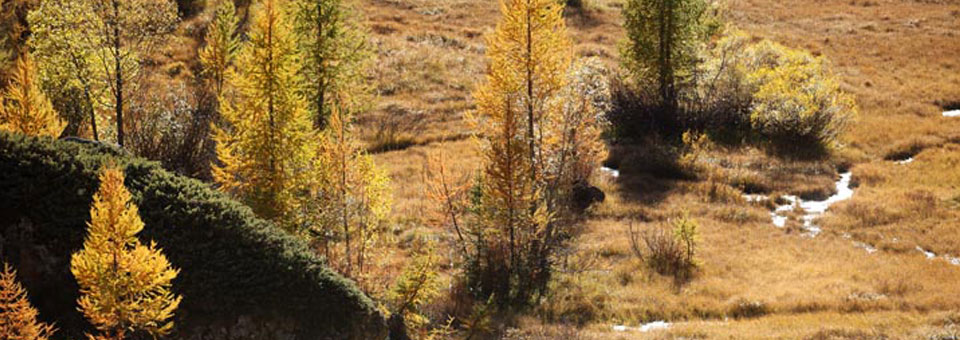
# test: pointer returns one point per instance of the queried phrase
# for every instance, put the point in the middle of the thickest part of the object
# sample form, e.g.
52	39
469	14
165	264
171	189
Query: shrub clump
796	101
738	90
669	252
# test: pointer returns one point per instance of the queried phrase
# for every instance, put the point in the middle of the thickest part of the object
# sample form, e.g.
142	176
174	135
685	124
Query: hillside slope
241	277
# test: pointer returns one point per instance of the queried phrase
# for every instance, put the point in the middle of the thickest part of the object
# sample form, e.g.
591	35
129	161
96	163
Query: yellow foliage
222	43
354	198
529	57
417	287
18	319
24	108
520	113
267	146
124	285
795	96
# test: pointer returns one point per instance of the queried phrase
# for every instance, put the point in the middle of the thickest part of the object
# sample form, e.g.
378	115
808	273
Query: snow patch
654	326
610	171
930	255
647	327
870	249
946	257
779	221
905	161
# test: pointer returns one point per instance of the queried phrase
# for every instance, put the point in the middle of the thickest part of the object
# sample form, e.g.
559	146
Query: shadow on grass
648	171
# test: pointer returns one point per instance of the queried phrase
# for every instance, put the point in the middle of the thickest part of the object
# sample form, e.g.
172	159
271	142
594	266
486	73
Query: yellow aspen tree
24	107
354	198
124	285
222	44
18	319
70	77
529	55
267	145
116	35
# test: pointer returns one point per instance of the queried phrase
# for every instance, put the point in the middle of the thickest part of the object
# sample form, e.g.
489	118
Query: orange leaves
18	319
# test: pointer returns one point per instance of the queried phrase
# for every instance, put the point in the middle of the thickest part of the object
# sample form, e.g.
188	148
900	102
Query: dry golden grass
900	58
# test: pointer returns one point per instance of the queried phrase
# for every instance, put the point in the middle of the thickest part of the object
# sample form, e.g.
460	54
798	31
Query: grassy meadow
901	59
885	263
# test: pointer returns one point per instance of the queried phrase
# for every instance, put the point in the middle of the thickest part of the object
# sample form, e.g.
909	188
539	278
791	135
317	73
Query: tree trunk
530	136
319	120
93	112
118	71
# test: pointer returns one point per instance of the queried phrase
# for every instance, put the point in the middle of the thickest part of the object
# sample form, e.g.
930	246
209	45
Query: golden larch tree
18	319
24	107
125	286
267	145
222	43
529	56
354	199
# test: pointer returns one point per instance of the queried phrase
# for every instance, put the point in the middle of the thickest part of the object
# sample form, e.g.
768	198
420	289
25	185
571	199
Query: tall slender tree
222	43
353	201
24	108
124	285
334	51
663	37
529	55
267	145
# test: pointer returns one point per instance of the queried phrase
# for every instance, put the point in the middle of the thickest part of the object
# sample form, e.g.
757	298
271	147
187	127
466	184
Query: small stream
812	210
933	256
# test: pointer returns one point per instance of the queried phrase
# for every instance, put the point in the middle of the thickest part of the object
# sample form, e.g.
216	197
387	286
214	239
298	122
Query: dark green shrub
235	268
